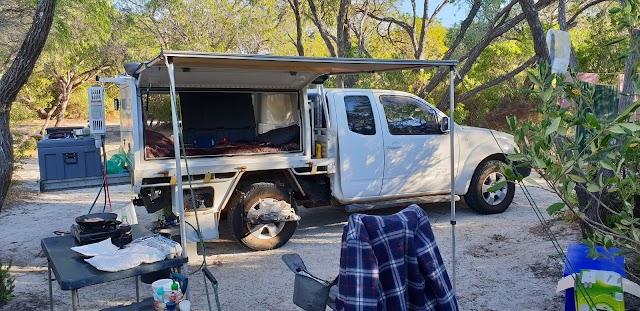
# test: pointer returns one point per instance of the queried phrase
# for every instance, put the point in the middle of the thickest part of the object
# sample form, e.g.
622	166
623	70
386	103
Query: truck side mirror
116	104
444	124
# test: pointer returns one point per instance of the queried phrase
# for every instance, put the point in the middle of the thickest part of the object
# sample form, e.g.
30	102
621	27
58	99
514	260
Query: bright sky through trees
450	15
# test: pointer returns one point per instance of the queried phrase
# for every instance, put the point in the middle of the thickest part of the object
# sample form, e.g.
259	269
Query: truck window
360	115
408	116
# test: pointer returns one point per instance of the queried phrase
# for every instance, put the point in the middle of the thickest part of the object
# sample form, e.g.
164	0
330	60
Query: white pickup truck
262	141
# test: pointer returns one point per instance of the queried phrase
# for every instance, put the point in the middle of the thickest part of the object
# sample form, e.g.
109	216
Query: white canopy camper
258	144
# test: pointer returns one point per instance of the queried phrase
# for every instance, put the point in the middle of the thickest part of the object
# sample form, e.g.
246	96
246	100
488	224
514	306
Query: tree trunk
295	6
343	36
47	119
326	37
630	74
539	40
562	22
63	102
13	80
589	203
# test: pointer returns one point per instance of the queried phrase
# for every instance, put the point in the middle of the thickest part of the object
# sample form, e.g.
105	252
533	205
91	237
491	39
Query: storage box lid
66	142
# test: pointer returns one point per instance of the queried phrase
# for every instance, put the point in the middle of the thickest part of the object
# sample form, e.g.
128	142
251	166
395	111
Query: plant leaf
516	157
497	186
576	178
630	126
616	128
553	127
593	188
555	207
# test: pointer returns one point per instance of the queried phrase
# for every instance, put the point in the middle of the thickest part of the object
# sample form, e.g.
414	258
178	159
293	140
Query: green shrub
594	172
6	284
23	147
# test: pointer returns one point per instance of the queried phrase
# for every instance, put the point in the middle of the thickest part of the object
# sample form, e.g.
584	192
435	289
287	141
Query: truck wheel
262	236
479	199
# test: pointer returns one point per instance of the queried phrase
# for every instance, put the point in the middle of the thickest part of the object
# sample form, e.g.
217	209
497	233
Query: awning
240	71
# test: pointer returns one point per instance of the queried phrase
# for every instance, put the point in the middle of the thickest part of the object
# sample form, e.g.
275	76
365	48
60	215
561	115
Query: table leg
50	287
137	288
74	299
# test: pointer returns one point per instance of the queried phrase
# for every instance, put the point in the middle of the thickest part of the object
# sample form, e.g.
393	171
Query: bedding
160	146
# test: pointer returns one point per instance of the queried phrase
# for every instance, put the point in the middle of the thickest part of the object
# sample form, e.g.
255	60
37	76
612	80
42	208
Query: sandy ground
504	262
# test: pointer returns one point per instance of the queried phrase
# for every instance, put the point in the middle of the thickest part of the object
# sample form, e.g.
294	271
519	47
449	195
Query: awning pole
453	172
176	147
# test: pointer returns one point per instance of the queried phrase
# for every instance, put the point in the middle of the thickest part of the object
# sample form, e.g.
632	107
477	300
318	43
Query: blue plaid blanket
392	263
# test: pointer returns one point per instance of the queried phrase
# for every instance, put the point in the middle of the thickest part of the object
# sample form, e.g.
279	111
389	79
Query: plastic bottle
158	299
176	293
184	305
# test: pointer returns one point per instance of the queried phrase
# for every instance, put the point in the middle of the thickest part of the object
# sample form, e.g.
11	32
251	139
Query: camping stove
120	235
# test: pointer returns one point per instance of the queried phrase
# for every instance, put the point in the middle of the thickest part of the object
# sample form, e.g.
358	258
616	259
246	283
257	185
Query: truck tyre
486	175
262	236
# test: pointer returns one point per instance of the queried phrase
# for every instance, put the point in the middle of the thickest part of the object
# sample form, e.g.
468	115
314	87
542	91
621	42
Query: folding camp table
73	273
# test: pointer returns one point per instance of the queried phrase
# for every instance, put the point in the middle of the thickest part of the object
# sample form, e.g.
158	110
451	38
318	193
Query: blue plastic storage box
68	158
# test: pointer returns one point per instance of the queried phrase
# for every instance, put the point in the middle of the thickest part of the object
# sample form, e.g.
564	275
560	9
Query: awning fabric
240	71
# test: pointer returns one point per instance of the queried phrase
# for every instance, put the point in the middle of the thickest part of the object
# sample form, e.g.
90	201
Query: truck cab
392	145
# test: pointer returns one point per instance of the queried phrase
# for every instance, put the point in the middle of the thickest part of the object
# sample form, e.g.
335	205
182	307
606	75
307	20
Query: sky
450	15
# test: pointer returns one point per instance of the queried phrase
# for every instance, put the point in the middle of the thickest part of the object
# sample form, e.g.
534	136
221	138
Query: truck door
416	151
360	145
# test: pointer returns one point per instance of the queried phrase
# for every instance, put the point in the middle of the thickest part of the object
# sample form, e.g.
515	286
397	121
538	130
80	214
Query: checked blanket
392	263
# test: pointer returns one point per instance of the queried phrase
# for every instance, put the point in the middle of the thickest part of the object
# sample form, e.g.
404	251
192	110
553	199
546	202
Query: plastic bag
169	248
94	249
116	164
127	258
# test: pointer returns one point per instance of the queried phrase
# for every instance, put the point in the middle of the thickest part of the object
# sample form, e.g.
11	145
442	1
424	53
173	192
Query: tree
14	21
77	50
417	26
539	41
502	22
297	13
594	172
13	80
562	22
630	12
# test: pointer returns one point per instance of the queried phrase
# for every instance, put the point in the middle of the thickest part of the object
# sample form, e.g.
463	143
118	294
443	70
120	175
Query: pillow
280	136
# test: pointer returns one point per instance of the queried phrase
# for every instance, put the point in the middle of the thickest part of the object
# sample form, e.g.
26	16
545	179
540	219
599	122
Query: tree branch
315	18
498	80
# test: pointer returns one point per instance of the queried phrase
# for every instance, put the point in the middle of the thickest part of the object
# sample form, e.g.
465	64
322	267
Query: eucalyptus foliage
595	171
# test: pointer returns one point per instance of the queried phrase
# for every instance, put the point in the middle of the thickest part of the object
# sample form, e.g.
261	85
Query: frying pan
109	218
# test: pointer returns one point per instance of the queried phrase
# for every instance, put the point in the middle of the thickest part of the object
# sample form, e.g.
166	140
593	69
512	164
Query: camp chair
369	247
309	292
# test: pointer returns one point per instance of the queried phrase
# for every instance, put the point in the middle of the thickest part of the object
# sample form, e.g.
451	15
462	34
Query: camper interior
217	123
